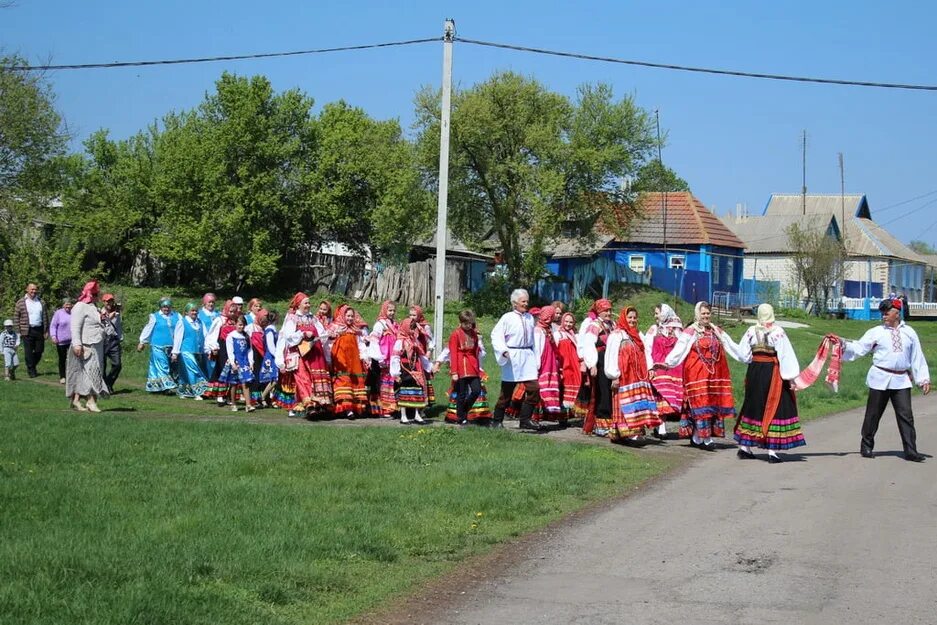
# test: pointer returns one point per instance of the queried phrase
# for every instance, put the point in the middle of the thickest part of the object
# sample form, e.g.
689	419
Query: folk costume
429	344
548	372
349	365
897	364
382	392
512	340
240	366
658	342
159	331
409	364
768	417
216	348
706	381
593	338
571	370
304	367
468	396
188	347
207	317
635	408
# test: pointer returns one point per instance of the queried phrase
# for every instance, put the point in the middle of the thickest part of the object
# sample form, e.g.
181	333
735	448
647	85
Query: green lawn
120	518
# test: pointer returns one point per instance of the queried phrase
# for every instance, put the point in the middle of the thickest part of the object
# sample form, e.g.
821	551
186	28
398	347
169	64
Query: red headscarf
89	291
545	317
629	330
297	300
328	312
408	336
419	313
568	333
384	308
601	305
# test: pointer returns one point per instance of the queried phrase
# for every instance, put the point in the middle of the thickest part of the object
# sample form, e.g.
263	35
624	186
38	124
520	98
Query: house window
677	261
636	263
715	270
730	271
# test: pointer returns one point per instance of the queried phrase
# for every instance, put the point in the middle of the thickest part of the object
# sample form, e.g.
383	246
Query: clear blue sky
733	139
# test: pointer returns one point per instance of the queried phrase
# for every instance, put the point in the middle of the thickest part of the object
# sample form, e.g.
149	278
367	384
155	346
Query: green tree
818	263
922	247
524	160
655	176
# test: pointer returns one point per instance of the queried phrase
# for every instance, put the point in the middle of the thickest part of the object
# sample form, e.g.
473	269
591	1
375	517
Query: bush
493	298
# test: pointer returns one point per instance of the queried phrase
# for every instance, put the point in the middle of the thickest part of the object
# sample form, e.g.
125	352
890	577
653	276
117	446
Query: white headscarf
765	317
668	321
696	315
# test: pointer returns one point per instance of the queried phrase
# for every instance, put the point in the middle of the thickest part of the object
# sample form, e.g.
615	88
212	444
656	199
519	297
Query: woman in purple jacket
60	331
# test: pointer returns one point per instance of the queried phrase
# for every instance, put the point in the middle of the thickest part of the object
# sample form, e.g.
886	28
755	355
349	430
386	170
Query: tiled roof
689	222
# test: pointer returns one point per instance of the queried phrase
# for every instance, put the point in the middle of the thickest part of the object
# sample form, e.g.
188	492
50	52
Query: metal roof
767	235
794	204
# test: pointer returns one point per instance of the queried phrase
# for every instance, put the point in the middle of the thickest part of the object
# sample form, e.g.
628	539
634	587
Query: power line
911	212
902	203
212	59
701	70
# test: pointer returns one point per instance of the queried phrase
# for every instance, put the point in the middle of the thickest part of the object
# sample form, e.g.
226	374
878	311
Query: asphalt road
827	538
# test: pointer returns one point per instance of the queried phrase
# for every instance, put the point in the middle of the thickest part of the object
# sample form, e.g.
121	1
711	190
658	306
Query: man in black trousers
897	363
32	320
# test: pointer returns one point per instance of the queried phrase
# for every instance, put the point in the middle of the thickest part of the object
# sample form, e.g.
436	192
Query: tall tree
655	176
922	247
818	263
524	160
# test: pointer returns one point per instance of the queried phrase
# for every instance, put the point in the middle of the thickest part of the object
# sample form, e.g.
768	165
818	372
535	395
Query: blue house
676	245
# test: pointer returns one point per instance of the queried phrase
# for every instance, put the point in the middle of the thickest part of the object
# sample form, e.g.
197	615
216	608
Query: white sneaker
404	419
199	398
600	432
418	418
234	408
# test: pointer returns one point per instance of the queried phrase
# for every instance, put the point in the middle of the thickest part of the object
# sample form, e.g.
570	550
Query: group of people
314	365
621	383
626	385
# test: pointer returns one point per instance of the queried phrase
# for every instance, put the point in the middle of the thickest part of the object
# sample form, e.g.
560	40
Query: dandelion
479	514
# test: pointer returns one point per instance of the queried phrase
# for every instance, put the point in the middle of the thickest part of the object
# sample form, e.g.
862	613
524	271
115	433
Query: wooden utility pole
803	189
442	206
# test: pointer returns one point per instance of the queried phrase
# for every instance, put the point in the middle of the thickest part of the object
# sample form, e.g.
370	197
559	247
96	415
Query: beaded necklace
712	353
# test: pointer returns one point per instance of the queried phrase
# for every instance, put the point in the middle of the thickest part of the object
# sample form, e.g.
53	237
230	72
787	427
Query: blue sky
734	140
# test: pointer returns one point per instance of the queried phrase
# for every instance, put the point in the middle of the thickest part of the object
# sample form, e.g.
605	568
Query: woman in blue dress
238	371
187	352
159	331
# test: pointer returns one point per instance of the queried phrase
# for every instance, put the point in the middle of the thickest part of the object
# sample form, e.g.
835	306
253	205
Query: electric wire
213	59
700	70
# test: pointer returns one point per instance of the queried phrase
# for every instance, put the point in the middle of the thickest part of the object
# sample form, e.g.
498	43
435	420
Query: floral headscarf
545	317
630	330
385	307
570	334
407	334
89	291
697	310
328	313
601	305
668	321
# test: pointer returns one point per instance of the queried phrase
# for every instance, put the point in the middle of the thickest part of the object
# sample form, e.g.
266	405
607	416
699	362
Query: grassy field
121	518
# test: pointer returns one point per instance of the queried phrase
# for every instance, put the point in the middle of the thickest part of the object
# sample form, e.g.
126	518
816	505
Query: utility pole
660	182
842	193
803	189
442	207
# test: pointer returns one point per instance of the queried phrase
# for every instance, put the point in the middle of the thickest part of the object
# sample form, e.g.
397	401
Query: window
636	263
730	271
677	261
715	270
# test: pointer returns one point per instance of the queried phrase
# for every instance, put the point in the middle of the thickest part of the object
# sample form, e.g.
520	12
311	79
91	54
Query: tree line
226	194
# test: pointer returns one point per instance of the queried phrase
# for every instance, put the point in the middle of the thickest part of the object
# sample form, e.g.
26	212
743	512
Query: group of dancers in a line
626	384
621	383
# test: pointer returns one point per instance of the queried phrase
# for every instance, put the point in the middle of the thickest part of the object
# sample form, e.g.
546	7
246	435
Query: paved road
832	538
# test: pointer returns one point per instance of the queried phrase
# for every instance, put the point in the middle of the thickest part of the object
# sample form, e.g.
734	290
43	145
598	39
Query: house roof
930	259
454	247
767	235
689	222
864	237
832	204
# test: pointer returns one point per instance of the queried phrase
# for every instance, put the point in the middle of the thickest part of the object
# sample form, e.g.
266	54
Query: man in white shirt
32	321
512	341
897	362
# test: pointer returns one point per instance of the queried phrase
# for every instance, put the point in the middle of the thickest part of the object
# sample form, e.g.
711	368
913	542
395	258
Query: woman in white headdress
768	418
706	381
658	342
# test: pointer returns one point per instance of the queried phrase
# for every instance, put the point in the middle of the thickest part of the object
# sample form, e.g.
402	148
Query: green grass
131	517
113	519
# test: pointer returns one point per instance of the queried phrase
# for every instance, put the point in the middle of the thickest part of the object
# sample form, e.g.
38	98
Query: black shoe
497	425
774	459
33	374
527	424
865	452
708	447
745	455
695	444
913	456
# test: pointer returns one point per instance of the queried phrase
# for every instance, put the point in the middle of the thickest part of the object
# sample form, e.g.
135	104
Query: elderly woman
159	331
658	342
188	348
302	361
768	418
60	331
706	381
512	340
83	379
593	337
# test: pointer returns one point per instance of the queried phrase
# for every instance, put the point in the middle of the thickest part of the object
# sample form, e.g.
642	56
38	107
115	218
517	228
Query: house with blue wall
676	245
